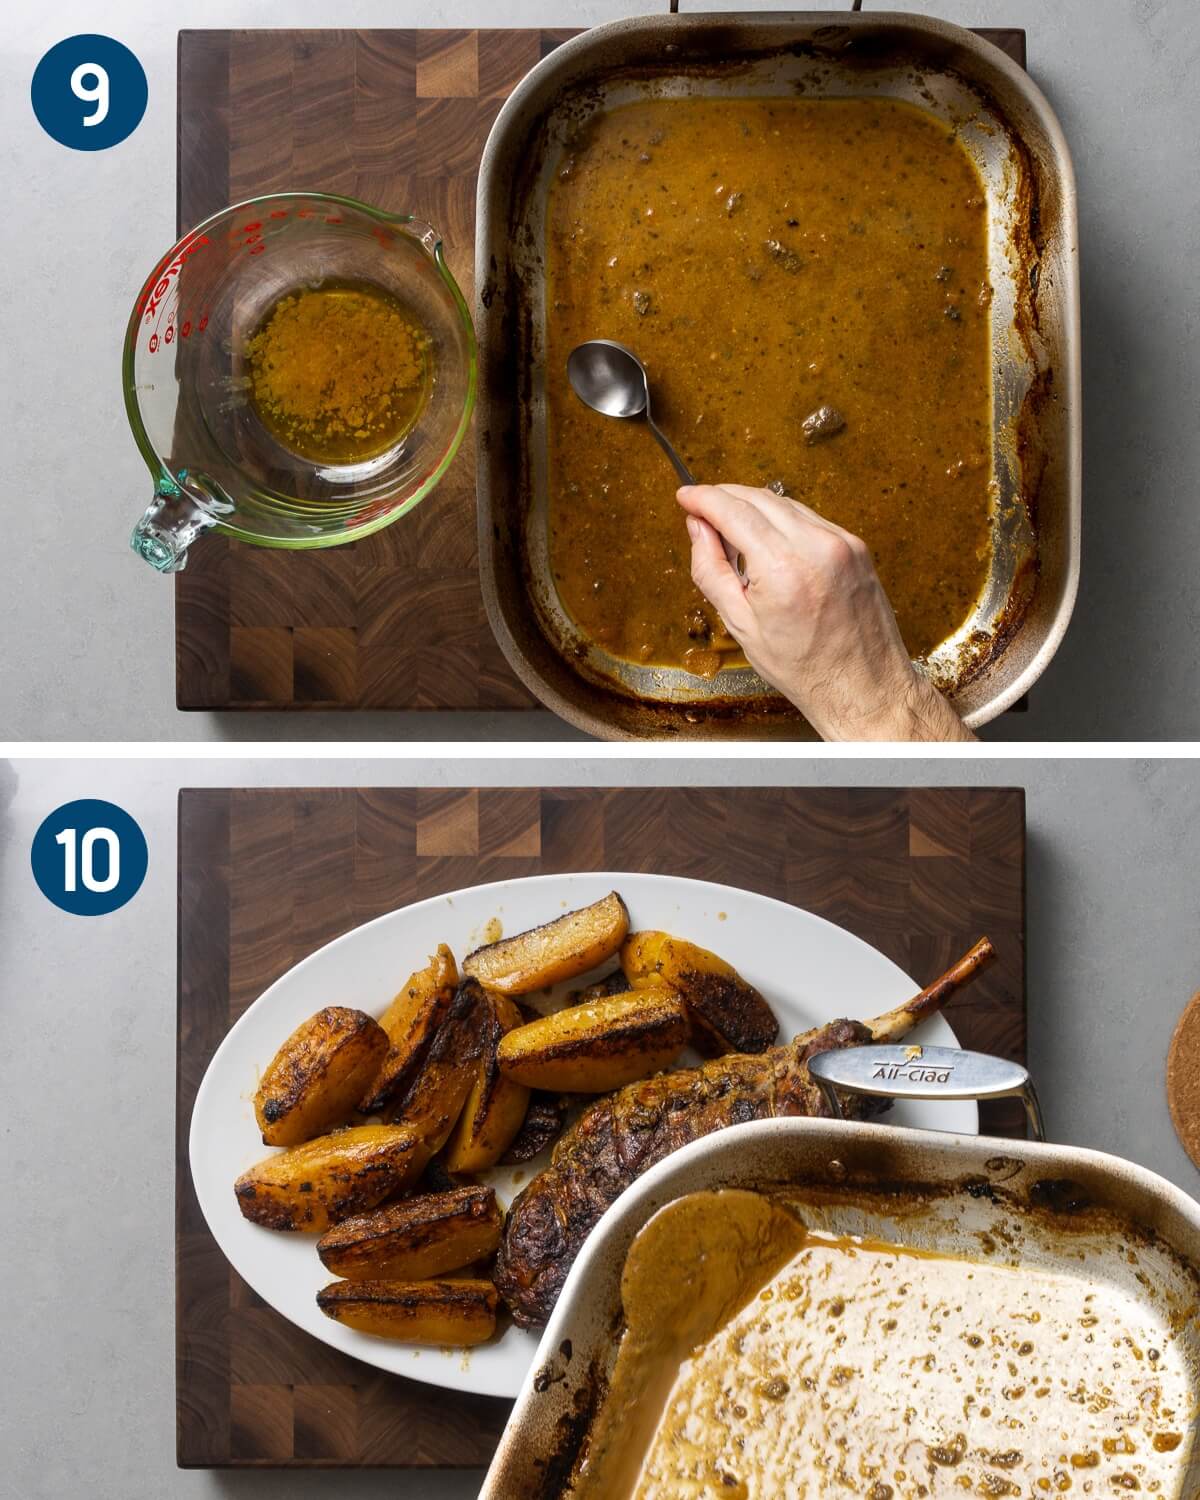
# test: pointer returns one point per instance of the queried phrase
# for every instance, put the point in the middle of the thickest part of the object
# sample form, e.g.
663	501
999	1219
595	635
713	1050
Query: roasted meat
623	1134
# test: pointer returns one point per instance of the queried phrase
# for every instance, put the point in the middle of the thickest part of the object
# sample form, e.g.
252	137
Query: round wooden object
1183	1079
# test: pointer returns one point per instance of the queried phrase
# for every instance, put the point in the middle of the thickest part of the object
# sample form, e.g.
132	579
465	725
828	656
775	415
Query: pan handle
854	5
913	1072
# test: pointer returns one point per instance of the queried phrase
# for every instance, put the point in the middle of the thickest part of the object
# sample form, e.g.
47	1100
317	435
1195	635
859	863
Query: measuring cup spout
172	522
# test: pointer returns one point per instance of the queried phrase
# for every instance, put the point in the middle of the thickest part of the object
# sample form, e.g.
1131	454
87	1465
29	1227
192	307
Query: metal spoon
612	380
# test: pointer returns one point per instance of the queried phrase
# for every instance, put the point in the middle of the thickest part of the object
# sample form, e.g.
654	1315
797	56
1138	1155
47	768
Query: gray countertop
87	628
87	1105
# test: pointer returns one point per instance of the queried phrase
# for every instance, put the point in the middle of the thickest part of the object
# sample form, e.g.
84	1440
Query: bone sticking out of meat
621	1135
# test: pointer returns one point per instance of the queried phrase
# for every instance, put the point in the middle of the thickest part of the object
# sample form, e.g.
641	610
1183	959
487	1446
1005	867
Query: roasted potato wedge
542	1126
457	1313
727	1014
589	1049
416	1238
570	945
317	1077
411	1021
436	1095
314	1185
496	1105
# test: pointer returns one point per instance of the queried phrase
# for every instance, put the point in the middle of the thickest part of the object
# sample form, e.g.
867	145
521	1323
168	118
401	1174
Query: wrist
909	710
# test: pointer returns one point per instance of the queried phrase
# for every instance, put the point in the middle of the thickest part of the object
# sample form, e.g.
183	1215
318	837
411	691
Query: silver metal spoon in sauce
612	380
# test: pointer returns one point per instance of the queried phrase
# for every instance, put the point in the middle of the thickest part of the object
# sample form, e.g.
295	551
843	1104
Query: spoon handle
737	561
685	474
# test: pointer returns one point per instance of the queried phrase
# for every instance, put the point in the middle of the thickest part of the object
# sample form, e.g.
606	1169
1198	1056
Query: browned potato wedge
314	1185
317	1077
570	945
436	1096
420	1237
727	1014
496	1105
410	1022
589	1049
543	1124
458	1313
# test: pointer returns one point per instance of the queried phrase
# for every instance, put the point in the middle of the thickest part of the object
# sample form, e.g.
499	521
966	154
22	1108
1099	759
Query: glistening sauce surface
767	258
861	1367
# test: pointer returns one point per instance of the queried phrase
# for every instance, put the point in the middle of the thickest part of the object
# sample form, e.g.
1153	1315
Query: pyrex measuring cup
214	464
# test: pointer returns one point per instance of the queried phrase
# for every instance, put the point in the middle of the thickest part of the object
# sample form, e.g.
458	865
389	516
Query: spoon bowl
609	378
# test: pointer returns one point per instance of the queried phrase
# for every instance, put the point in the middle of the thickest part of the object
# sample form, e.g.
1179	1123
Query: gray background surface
87	628
87	1101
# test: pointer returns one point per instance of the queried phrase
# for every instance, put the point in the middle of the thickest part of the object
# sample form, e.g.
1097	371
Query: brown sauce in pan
788	1362
767	258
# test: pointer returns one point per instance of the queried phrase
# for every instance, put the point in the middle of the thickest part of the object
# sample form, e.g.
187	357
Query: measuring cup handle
171	523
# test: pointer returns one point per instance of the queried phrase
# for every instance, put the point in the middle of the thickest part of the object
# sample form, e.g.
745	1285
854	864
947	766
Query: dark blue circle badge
89	92
89	857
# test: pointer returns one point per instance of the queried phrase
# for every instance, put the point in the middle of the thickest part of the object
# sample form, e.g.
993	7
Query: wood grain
398	119
265	877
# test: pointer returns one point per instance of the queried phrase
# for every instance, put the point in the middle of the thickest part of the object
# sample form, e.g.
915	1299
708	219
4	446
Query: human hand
812	616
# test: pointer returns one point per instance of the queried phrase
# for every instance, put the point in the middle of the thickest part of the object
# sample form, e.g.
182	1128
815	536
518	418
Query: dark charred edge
571	1431
542	1126
616	983
269	1213
630	1035
559	923
409	1296
456	1042
342	1025
383	1093
415	1220
728	1014
490	1076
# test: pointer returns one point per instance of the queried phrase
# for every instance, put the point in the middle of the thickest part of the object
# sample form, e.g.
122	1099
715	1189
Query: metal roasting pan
1061	1210
1005	123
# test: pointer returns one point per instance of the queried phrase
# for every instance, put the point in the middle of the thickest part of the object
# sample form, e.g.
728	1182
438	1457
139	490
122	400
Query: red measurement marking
202	324
170	333
186	329
331	220
154	343
259	248
279	213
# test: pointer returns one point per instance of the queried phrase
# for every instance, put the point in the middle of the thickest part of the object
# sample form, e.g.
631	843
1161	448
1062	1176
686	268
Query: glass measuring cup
213	462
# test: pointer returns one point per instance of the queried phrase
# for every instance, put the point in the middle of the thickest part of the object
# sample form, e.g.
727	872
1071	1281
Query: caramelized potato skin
416	1238
496	1105
317	1077
457	1313
437	1093
592	1048
312	1186
410	1022
727	1014
570	945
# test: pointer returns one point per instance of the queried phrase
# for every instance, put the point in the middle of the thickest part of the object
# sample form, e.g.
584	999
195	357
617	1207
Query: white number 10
87	859
97	92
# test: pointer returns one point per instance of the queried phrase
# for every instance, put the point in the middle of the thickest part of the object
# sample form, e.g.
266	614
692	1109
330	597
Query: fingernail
693	527
685	489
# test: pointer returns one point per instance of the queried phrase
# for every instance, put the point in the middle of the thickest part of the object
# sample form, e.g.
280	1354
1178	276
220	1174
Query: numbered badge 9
89	857
89	92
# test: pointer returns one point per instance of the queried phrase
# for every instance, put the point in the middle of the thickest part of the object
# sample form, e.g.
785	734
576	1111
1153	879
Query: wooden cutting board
398	119
265	877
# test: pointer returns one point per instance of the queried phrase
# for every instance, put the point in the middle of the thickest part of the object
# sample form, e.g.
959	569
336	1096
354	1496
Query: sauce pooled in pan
806	282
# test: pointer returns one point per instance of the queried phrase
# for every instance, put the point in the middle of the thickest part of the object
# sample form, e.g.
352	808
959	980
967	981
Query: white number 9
97	92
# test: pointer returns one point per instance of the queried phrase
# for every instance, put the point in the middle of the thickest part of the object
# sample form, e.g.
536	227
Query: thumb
714	577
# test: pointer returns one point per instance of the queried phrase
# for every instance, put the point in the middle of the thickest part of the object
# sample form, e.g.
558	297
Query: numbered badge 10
89	857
